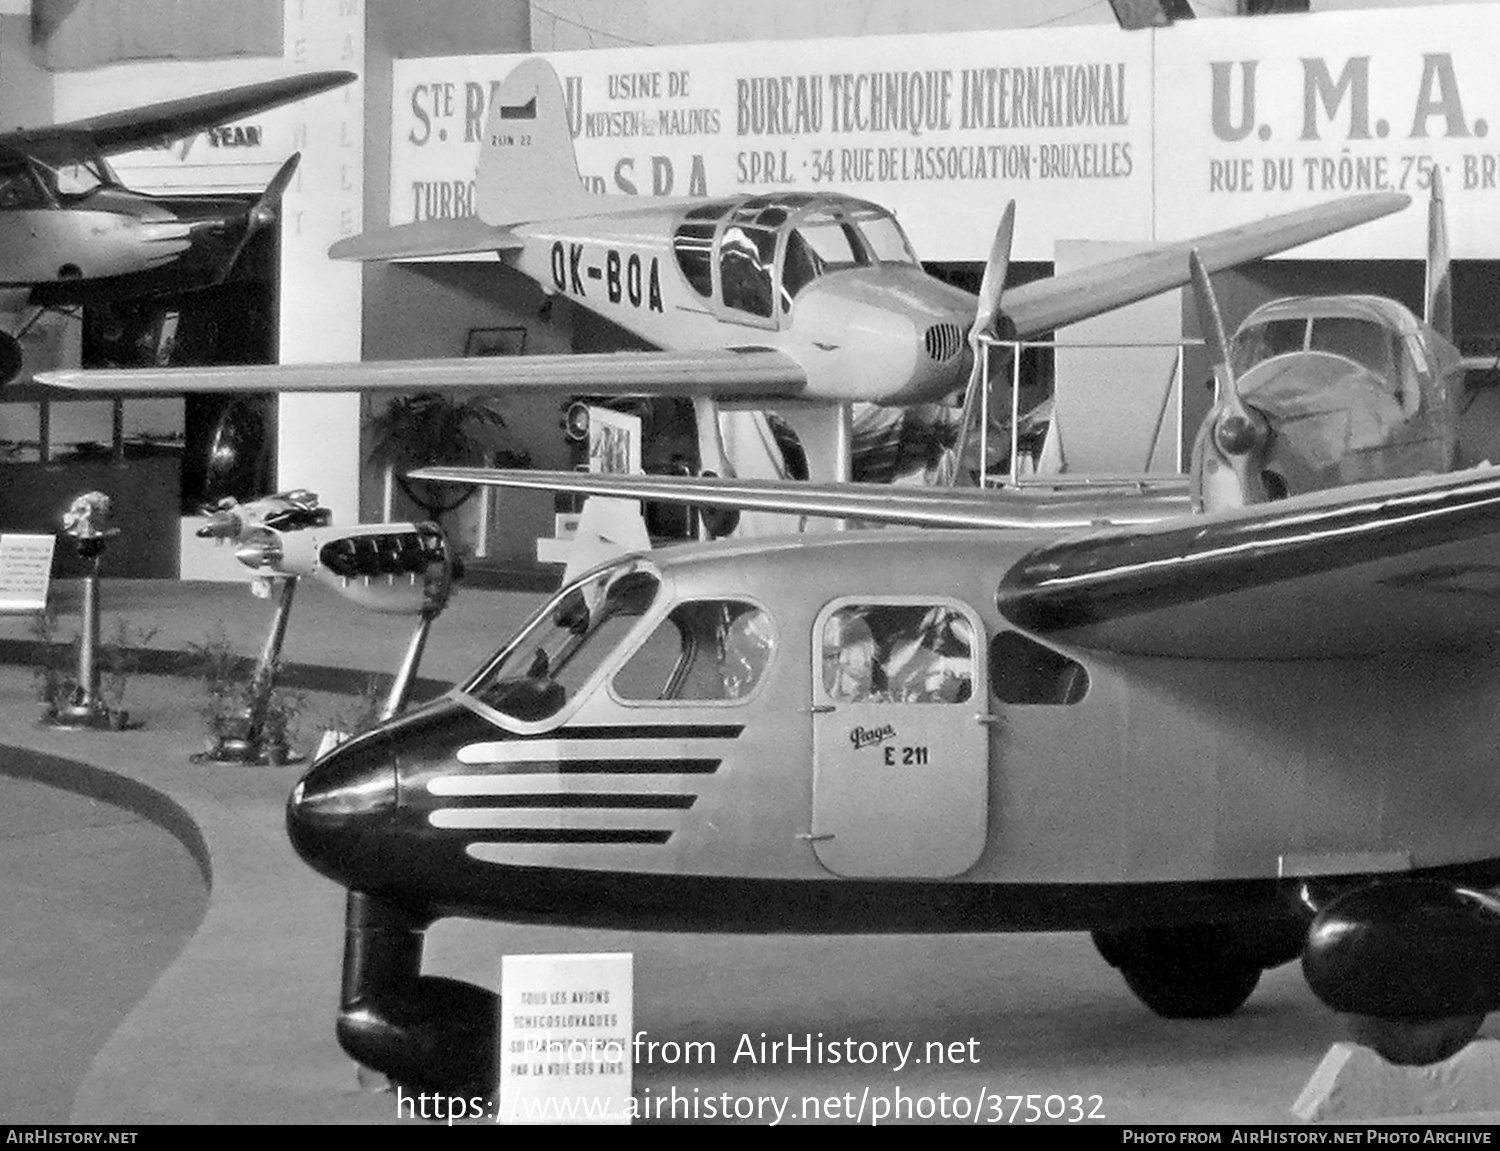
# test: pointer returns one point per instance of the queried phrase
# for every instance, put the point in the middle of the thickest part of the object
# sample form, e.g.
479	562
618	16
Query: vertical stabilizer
527	169
1439	287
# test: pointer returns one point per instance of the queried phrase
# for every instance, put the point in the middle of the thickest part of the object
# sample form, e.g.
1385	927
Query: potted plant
431	428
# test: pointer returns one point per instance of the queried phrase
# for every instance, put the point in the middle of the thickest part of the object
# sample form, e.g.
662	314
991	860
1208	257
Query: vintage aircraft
1218	742
761	299
1313	392
71	233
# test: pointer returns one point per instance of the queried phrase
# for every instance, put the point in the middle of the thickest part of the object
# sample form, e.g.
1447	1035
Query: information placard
25	571
565	1028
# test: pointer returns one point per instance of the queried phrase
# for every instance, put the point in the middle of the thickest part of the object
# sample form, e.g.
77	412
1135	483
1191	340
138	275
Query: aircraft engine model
768	300
71	233
1220	741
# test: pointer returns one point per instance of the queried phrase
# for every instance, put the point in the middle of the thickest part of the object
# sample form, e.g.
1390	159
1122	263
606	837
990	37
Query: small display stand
87	522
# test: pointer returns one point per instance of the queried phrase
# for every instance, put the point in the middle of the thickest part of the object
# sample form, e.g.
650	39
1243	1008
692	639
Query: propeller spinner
1230	446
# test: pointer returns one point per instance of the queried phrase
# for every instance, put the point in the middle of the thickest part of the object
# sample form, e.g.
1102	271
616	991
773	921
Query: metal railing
1171	398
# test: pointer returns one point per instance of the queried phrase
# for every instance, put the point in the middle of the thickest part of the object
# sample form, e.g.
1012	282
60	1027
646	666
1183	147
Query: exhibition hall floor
238	1025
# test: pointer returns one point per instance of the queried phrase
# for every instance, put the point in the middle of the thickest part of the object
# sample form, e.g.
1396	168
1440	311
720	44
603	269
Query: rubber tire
1413	1042
1193	991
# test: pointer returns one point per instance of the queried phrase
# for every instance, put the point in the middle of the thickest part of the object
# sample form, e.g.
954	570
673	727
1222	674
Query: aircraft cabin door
900	761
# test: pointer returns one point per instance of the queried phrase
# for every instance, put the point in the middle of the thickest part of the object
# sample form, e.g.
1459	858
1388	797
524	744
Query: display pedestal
1355	1085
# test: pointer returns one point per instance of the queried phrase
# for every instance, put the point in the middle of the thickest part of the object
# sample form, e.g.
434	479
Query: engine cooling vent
944	341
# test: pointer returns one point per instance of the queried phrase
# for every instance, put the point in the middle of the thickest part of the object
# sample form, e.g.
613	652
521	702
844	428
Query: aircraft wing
1126	503
744	374
173	119
1044	305
1387	567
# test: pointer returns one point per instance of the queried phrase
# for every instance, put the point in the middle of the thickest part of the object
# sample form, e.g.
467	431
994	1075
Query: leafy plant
121	659
430	428
56	667
224	673
362	713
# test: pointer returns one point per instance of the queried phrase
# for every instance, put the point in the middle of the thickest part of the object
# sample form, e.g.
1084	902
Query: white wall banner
1097	133
1265	115
943	129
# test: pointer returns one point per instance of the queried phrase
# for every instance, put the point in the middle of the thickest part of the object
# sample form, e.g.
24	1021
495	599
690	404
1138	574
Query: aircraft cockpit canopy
1388	345
754	255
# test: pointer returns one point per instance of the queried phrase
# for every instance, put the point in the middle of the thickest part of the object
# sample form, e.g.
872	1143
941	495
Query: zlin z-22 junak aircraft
756	299
71	233
1220	742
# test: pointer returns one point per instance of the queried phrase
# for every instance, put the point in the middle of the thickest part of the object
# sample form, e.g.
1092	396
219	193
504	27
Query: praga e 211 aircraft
1219	742
754	298
71	233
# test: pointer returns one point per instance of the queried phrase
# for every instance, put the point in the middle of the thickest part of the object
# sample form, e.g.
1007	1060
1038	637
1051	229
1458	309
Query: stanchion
245	735
87	521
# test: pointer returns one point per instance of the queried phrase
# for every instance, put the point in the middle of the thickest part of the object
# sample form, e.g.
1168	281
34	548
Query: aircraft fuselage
883	332
119	244
1007	785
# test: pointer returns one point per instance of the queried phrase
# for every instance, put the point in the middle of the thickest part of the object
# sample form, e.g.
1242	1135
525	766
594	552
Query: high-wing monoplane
755	298
71	233
1218	742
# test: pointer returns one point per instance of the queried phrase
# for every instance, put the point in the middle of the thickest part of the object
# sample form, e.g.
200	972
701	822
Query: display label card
565	1047
25	572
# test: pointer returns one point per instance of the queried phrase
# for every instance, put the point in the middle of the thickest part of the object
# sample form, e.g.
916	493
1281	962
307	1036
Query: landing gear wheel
1413	1042
1193	990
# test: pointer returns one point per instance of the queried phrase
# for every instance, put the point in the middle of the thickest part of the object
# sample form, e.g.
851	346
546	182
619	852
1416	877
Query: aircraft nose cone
339	810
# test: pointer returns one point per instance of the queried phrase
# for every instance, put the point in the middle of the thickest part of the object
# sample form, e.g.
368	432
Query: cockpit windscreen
565	643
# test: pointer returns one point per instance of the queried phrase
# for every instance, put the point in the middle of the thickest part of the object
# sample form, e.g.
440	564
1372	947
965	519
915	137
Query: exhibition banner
942	129
1266	115
1097	133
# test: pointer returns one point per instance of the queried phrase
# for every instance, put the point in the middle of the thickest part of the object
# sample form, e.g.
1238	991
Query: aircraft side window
898	653
800	267
746	256
693	245
1025	672
835	243
19	189
704	651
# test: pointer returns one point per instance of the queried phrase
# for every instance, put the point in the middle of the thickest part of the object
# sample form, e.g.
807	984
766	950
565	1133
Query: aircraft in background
1313	392
755	299
1219	742
71	233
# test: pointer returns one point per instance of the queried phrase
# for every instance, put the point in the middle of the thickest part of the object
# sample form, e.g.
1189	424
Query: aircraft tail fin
527	169
1438	292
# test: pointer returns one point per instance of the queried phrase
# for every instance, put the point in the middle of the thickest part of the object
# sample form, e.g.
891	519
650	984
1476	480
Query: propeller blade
986	315
1438	289
1233	435
265	211
995	269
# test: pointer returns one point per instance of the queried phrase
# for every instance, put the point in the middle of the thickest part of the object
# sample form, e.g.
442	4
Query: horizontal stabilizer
873	503
427	238
757	373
